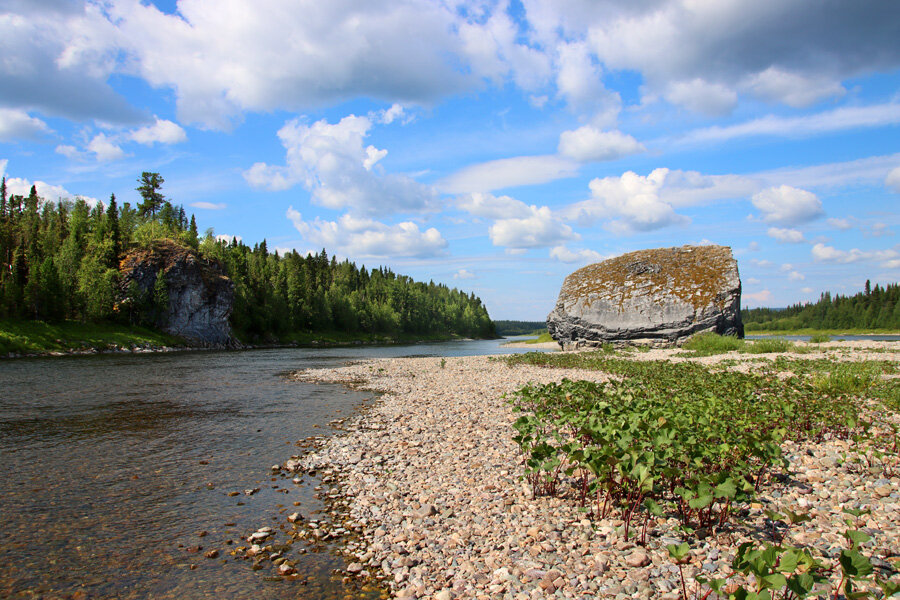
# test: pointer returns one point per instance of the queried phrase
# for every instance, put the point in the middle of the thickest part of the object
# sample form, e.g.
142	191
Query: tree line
873	308
60	260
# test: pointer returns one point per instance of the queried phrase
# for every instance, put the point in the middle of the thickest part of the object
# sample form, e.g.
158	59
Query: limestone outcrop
656	297
200	296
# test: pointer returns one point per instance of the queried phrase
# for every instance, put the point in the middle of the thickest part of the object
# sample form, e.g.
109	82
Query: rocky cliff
656	297
200	296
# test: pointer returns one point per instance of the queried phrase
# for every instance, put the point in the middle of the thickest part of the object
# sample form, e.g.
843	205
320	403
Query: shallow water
112	467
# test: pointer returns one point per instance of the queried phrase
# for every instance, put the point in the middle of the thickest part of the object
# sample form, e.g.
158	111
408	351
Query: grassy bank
38	337
754	329
343	338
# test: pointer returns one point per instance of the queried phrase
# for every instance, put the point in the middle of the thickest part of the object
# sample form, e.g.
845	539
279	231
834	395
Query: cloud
579	80
508	172
464	274
563	254
363	237
492	207
777	85
222	59
830	254
710	99
105	148
787	205
786	236
587	144
628	203
18	124
47	191
757	298
842	224
538	230
56	60
209	205
674	42
839	119
807	290
892	181
162	131
877	230
330	160
796	276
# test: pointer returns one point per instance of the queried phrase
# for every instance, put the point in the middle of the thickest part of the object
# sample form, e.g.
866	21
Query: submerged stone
656	297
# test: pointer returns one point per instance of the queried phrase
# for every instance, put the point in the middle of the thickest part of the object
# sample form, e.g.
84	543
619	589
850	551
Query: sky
493	146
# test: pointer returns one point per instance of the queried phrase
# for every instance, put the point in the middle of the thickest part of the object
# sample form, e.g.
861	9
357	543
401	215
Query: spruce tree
112	228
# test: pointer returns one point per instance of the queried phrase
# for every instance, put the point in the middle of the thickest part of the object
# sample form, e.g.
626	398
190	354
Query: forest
873	308
60	260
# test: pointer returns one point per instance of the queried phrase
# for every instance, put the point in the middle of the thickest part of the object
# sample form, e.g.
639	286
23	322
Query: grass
343	338
38	337
541	339
753	328
706	344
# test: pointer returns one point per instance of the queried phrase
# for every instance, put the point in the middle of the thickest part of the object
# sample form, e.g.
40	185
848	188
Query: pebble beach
431	480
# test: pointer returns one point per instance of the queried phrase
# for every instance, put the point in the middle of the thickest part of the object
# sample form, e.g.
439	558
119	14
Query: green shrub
819	338
770	345
706	344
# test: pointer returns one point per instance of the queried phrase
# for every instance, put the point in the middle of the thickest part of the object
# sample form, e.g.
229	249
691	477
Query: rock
354	567
656	297
294	517
638	558
212	554
200	295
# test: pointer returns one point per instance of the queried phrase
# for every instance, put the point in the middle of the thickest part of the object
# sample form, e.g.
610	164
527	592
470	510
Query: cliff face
655	297
200	295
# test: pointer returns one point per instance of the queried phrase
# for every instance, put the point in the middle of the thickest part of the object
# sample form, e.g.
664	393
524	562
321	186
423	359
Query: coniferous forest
60	260
873	308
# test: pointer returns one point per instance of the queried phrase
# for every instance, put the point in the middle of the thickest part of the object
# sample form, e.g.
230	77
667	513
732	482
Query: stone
638	558
656	297
200	295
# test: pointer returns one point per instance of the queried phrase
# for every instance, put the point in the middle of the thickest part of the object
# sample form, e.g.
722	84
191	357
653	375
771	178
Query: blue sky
493	146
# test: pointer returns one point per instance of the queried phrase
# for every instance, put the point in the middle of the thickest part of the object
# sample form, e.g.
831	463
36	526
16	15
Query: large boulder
654	297
200	295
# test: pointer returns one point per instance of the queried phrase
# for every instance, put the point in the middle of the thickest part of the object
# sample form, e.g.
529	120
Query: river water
120	472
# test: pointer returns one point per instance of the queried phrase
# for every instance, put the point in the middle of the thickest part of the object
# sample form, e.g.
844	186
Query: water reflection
113	466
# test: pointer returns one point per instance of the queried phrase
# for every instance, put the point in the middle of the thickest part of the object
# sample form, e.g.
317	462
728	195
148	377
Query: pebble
432	483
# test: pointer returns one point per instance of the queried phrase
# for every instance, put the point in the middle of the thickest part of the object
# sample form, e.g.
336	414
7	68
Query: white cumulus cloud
787	205
627	203
162	131
564	254
362	237
492	207
538	230
464	274
786	236
587	144
105	148
698	95
18	124
830	254
332	162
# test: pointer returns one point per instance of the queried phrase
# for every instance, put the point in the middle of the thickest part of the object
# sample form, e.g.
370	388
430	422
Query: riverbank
31	339
432	479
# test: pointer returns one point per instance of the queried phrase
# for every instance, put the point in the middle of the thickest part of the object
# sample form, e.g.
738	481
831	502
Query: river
120	472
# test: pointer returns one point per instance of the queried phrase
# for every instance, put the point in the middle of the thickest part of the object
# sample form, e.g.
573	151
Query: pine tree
3	198
150	184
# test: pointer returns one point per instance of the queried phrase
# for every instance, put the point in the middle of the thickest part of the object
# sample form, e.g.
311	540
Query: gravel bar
431	478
